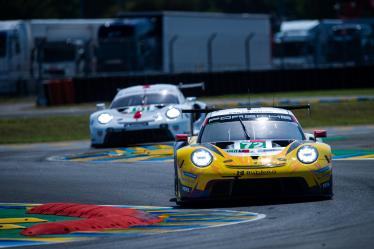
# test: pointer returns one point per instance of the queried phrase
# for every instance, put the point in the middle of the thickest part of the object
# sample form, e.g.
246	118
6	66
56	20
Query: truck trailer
47	49
174	42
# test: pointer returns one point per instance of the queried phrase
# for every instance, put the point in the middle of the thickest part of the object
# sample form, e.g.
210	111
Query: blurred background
68	53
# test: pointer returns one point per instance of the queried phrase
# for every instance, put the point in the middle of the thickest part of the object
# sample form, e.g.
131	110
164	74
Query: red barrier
97	218
60	91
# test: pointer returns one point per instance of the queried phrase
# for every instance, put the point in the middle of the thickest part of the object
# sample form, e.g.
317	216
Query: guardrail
93	89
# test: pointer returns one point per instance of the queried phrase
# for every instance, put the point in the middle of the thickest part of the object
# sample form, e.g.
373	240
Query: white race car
147	113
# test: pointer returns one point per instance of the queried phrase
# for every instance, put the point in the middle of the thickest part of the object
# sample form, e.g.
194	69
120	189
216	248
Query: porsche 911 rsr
140	114
251	153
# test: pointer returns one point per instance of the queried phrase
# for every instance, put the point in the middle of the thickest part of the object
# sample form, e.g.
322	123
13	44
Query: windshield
290	49
147	99
57	52
116	31
258	126
2	44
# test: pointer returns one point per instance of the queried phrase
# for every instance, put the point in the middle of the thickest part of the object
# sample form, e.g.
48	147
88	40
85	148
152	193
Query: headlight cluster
307	154
201	158
104	118
173	113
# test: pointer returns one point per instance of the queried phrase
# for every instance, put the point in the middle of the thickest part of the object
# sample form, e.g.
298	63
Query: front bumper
120	137
115	134
255	189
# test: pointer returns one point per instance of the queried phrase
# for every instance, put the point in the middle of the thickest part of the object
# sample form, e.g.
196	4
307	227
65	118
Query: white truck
45	48
174	42
15	48
324	43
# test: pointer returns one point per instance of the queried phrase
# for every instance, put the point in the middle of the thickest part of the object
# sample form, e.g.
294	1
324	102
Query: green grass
65	128
321	93
12	100
339	114
43	129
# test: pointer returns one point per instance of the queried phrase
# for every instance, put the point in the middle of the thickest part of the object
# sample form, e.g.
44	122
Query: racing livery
246	153
147	113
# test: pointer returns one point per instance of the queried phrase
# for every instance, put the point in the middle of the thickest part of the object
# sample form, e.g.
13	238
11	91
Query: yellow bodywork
226	166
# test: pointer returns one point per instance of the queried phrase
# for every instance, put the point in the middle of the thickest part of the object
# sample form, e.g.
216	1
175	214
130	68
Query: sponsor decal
253	144
255	172
139	108
186	189
188	174
326	185
252	116
238	151
256	151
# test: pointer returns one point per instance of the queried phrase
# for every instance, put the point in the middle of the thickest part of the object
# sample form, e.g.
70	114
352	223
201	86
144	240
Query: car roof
156	88
259	110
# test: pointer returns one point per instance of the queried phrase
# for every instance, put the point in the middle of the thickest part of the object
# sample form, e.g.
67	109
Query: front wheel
328	192
176	191
178	198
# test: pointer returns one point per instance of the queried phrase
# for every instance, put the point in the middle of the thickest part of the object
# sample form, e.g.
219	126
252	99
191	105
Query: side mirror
191	99
320	133
100	106
181	138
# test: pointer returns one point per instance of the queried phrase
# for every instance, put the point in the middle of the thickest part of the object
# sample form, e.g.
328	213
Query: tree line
278	9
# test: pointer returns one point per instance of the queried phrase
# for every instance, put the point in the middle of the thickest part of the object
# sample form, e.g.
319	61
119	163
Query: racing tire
98	146
328	192
178	199
176	192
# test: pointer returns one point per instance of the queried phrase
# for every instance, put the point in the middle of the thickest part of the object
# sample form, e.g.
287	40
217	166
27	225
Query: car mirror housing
181	137
100	106
320	133
191	99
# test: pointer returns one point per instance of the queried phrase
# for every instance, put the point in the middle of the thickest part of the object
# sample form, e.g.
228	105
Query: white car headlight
173	113
104	118
307	154
201	158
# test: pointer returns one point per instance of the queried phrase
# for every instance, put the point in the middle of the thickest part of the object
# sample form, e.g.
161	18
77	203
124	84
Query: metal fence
80	90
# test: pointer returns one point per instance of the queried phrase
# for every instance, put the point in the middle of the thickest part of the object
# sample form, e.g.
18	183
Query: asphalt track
347	221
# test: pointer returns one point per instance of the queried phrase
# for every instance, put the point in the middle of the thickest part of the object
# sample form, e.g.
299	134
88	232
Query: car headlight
307	154
104	118
201	158
173	113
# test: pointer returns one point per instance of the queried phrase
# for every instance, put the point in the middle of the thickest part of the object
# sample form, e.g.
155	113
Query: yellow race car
250	153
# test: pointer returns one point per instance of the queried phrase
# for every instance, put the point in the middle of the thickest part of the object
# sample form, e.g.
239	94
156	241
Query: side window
16	42
18	47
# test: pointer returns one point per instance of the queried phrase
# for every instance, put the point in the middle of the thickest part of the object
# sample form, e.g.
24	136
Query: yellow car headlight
201	158
307	154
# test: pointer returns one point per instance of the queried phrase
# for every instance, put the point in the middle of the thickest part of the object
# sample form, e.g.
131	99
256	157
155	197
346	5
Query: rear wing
201	85
297	107
294	107
200	110
288	107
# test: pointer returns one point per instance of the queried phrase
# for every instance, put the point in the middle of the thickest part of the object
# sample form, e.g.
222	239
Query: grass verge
43	129
64	128
337	114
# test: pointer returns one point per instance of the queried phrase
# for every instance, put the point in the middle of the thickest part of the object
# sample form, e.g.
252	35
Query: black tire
328	193
178	201
98	146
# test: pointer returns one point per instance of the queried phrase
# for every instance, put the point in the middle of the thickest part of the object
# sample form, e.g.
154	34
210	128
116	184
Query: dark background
279	9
